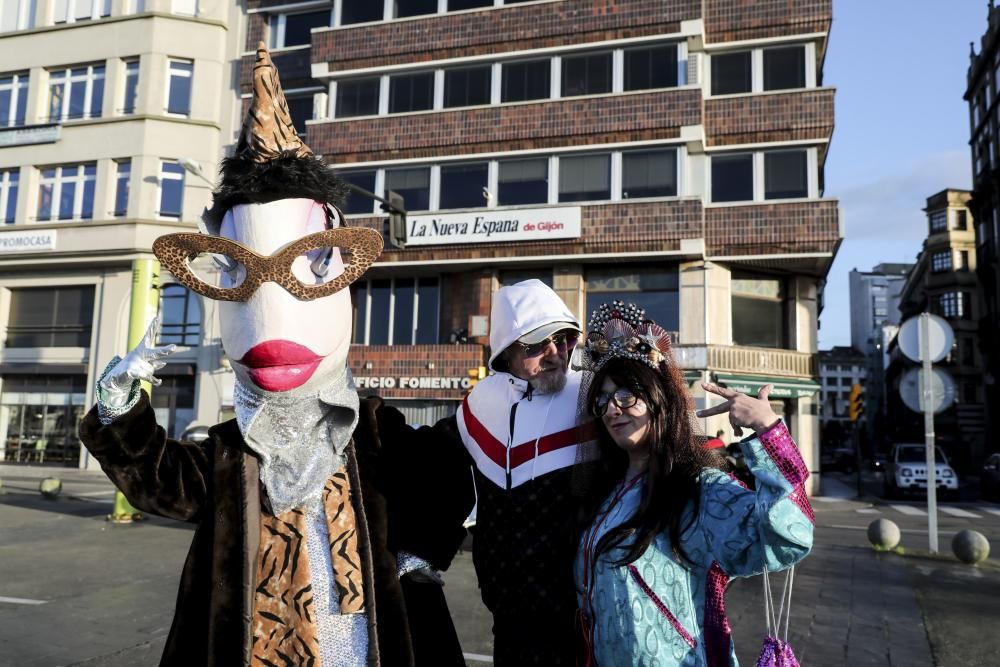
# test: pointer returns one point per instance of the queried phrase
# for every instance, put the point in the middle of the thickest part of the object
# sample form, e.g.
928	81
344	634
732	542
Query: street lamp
194	168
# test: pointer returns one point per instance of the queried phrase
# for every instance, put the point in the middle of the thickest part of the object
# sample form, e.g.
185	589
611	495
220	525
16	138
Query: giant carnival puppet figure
319	515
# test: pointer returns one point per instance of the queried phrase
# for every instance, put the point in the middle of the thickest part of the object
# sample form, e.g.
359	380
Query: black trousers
432	632
551	640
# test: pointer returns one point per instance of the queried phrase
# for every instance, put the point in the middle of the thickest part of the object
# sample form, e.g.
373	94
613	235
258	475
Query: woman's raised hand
744	411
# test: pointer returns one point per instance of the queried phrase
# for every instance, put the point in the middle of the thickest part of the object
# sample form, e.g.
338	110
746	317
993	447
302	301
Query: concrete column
27	196
704	288
568	282
152	89
37	109
143	201
802	300
114	87
43	13
104	190
120	7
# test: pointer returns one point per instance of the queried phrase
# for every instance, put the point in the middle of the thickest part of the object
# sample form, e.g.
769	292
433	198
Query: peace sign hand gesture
744	411
139	364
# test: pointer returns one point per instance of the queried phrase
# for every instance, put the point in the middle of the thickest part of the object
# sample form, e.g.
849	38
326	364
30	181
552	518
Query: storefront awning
783	387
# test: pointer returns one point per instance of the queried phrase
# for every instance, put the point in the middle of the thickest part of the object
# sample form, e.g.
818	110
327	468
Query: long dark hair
676	458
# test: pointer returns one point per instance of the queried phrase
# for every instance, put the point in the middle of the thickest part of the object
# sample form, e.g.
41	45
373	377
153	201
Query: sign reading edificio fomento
485	226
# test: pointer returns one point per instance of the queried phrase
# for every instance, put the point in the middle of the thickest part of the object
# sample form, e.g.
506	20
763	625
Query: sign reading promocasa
27	241
526	224
411	383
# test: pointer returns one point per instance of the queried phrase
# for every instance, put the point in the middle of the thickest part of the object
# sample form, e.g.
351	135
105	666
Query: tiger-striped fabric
284	628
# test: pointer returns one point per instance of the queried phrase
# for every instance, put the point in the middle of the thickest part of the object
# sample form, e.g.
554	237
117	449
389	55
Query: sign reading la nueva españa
486	226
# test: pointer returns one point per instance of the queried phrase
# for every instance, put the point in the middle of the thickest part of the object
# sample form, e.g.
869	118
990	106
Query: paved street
80	591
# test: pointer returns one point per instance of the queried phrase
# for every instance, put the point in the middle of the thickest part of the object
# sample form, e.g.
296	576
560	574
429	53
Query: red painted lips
280	365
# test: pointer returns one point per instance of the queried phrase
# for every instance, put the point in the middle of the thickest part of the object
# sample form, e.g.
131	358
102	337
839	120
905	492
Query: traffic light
475	375
856	403
396	208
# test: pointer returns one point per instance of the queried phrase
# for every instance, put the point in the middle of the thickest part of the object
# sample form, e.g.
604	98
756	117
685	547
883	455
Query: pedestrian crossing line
990	510
21	601
868	510
955	511
909	509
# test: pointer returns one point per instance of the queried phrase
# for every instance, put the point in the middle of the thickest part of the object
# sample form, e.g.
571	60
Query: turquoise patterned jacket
656	611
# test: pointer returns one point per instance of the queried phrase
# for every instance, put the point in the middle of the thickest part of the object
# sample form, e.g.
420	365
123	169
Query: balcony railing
743	359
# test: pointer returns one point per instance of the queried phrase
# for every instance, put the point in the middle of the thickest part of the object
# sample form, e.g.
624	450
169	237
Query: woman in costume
672	529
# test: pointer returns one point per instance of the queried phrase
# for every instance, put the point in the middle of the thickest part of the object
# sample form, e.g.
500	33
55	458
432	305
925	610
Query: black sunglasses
623	398
561	340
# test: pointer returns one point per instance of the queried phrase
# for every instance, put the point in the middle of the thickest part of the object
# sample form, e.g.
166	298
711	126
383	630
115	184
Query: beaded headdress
621	330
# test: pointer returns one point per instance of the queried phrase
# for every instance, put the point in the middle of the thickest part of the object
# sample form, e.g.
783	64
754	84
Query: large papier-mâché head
283	255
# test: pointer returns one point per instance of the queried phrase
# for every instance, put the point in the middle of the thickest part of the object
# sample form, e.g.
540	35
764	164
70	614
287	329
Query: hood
523	307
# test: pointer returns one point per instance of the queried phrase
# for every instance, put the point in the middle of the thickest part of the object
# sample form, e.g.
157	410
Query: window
456	5
67	192
357	97
131	86
523	182
171	189
462	185
404	8
525	81
41	414
585	178
8	195
13	99
785	67
300	109
654	67
939	221
649	173
845	382
123	173
360	11
466	87
961	220
962	260
400	311
588	74
180	316
411	92
179	86
649	287
758	312
17	15
50	316
76	92
968	350
785	175
941	261
952	305
293	29
356	202
413	184
732	177
731	73
71	11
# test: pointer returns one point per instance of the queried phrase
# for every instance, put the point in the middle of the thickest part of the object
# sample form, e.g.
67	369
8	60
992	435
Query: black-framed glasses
623	398
562	340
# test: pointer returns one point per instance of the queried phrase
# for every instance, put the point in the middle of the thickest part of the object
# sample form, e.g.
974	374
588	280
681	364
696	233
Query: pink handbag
776	651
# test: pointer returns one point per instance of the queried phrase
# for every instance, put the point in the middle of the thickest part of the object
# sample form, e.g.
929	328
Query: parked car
989	478
907	471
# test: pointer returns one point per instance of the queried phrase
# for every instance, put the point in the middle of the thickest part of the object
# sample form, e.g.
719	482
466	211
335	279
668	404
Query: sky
901	130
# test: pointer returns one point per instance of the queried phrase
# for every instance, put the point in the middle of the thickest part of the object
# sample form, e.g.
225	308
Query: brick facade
769	229
731	21
746	119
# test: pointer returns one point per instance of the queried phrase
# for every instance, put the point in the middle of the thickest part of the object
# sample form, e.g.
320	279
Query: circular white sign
941	338
942	390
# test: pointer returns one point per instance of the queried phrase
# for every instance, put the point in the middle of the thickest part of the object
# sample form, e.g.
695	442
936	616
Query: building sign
379	382
38	134
27	241
487	226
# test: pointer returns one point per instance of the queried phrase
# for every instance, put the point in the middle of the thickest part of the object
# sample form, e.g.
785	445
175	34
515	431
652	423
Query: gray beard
549	383
300	439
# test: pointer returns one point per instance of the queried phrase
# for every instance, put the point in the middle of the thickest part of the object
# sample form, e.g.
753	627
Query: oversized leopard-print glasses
361	245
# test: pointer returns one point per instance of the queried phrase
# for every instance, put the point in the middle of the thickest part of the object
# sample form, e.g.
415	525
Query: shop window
67	192
13	99
941	261
653	67
466	87
179	87
8	195
585	178
523	182
404	8
398	311
180	316
131	86
523	81
171	186
732	177
411	92
786	174
651	288
76	92
785	67
300	109
414	185
457	5
463	185
650	173
50	316
17	15
71	11
173	403
39	415
357	203
123	174
508	278
588	74
758	312
360	11
357	97
732	73
294	29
